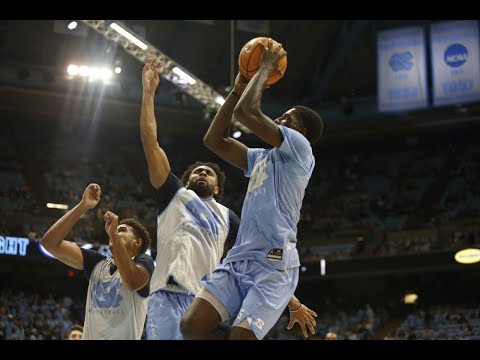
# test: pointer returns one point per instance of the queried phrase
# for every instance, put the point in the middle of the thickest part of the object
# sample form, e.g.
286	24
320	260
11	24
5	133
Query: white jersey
191	234
113	312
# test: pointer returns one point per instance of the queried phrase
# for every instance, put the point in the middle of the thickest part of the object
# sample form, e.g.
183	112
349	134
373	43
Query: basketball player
259	275
193	227
118	287
74	333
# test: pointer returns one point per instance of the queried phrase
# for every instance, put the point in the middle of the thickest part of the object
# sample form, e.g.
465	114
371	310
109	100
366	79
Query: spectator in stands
258	277
330	336
74	333
118	287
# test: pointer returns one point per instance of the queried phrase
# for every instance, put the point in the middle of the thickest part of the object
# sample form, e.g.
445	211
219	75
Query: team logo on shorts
275	254
240	314
259	323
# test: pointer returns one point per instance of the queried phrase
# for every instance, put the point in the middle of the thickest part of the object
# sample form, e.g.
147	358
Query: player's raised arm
158	165
134	276
248	110
218	139
53	240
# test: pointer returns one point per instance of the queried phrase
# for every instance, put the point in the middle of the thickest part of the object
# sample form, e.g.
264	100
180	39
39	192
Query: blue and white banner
401	69
455	62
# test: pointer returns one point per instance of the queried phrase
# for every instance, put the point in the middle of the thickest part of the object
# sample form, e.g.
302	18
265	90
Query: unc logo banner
401	69
455	62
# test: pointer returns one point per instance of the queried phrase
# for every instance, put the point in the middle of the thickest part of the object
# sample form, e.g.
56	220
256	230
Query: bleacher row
365	195
27	315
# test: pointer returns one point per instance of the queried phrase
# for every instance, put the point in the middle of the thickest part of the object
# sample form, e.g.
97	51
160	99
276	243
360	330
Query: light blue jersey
260	273
271	209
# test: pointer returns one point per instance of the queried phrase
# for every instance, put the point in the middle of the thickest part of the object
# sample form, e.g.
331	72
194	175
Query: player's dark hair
312	122
140	232
215	167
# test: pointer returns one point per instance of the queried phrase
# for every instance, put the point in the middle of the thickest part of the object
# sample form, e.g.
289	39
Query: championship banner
401	69
455	62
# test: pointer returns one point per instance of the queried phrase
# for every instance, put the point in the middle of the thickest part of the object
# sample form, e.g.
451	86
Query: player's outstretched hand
305	317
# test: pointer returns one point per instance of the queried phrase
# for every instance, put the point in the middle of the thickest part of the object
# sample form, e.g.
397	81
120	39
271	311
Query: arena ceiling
330	62
327	59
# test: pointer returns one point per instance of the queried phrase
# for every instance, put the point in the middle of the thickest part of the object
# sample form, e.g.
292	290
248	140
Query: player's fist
91	195
111	222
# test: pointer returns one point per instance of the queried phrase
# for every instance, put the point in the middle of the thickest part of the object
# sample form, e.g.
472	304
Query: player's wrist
83	206
234	93
295	310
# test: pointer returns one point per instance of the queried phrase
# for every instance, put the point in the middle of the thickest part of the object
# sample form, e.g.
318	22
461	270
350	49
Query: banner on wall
401	70
10	245
455	62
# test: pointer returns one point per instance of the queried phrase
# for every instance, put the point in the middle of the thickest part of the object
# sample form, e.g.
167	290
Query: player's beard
204	191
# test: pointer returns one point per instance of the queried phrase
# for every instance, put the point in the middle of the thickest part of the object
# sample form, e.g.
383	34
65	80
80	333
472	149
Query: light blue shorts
165	310
253	291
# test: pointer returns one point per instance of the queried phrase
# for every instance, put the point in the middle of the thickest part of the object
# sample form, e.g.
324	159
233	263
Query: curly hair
140	232
215	167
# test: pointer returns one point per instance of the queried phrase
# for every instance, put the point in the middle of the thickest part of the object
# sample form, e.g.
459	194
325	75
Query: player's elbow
46	242
148	140
132	285
212	143
189	328
245	112
207	140
136	280
241	111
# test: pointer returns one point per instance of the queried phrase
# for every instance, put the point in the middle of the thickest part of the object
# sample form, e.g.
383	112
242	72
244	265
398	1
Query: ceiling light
410	298
468	256
72	69
237	134
57	206
220	100
72	25
183	75
129	36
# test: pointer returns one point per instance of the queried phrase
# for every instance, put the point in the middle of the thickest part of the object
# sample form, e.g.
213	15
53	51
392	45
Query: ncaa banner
455	62
401	69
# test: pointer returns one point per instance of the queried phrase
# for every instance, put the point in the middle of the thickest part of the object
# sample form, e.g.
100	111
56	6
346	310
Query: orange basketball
249	60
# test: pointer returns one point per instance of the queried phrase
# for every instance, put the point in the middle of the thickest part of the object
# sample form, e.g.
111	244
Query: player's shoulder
293	135
144	257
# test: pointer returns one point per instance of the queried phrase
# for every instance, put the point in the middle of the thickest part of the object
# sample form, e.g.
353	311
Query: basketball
249	60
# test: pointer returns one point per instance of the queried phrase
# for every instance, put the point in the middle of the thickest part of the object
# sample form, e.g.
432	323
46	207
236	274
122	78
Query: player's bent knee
241	333
188	328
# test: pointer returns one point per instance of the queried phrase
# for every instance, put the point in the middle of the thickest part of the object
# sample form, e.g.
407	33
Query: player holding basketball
258	277
192	226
